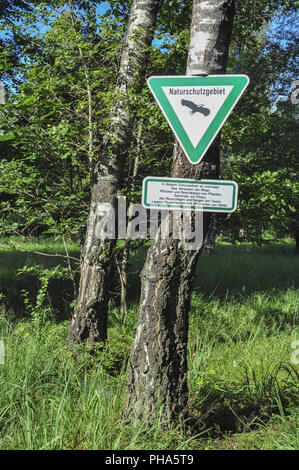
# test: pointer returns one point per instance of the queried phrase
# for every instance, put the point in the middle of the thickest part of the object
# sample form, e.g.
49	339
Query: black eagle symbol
196	108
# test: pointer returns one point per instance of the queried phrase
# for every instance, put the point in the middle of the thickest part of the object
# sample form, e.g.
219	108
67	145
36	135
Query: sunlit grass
243	385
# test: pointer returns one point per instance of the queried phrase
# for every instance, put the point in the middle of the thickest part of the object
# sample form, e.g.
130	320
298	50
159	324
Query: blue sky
101	9
104	6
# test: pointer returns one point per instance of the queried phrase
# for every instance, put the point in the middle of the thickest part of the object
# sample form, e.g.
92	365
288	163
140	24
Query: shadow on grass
245	269
60	292
234	271
223	408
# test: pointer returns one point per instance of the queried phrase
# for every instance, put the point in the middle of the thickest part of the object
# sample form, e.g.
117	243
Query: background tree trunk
89	322
127	248
296	232
157	383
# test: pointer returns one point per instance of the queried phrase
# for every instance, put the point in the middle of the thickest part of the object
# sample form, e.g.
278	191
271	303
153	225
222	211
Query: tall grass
243	385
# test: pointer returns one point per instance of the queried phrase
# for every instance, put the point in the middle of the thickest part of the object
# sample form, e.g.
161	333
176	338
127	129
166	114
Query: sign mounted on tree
184	194
197	107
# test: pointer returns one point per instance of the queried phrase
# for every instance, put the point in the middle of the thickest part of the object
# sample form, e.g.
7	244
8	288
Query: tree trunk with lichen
89	322
127	247
157	383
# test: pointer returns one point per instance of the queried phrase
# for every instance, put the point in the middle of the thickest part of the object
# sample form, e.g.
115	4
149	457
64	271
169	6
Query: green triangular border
195	154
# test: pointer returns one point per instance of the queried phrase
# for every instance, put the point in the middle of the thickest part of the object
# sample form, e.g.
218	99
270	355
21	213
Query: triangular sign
197	107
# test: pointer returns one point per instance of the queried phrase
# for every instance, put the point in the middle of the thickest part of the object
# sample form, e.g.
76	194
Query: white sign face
196	107
184	194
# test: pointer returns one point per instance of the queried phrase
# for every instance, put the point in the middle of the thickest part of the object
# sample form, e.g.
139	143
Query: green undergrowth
243	377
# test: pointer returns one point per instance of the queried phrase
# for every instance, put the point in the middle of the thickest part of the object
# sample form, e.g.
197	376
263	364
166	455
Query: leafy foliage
60	63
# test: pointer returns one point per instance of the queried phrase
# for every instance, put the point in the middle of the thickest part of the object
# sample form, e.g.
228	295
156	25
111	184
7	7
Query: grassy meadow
243	382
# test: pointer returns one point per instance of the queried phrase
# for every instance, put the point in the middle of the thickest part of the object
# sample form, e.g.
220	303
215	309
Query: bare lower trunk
157	382
89	322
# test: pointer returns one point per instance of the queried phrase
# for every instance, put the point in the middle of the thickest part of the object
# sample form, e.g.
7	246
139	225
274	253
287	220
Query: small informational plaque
185	194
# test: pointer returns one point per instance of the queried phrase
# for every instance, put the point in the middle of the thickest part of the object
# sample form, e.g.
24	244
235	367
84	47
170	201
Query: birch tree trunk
127	247
89	322
157	383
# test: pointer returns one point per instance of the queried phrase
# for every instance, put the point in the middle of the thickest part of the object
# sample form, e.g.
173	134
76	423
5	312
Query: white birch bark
157	380
89	322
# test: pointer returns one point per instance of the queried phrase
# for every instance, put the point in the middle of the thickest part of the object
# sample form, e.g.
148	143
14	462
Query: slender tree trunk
89	322
157	383
127	247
